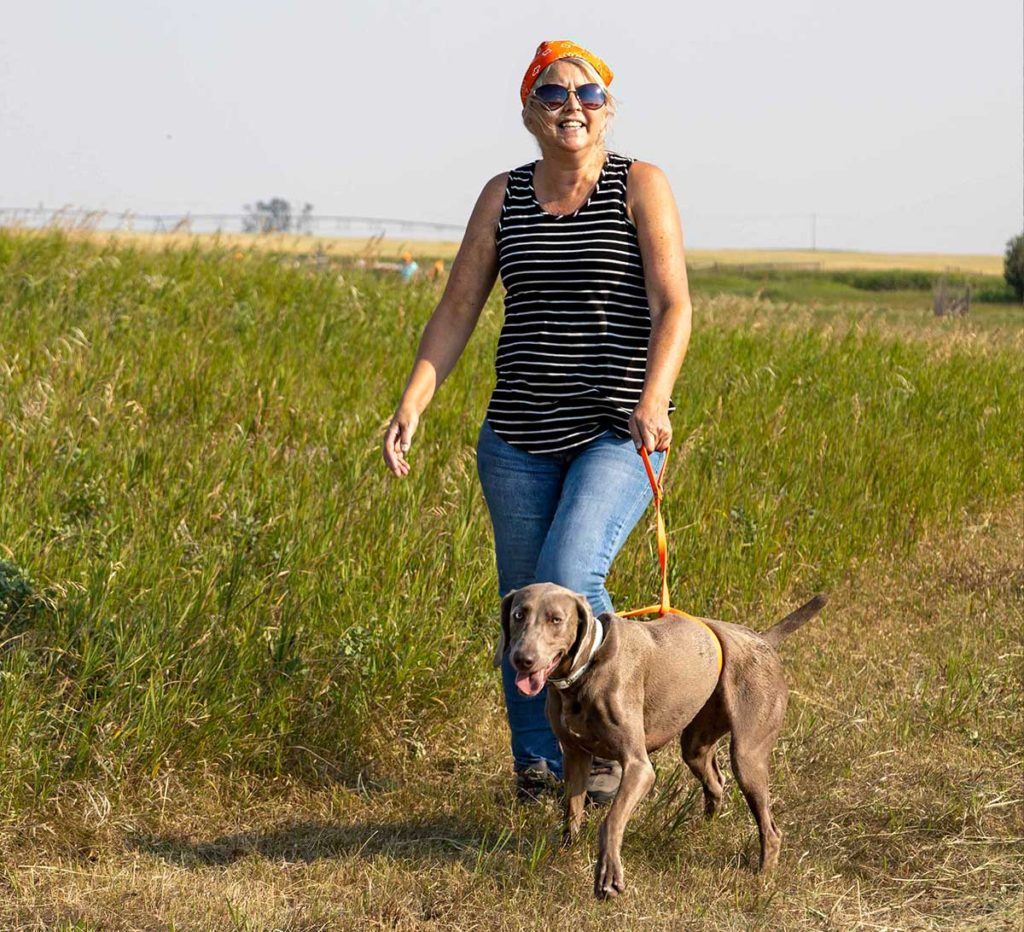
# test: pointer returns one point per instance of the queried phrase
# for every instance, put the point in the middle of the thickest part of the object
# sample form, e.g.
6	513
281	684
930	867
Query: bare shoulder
476	263
494	190
646	178
483	222
491	197
642	173
647	189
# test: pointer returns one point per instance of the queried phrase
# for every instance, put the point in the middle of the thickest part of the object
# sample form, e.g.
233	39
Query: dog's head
541	626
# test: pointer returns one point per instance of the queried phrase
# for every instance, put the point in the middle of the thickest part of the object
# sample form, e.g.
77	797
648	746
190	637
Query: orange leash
665	607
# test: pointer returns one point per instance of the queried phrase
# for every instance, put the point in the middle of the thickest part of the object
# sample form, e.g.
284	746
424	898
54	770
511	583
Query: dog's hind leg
697	744
753	694
750	764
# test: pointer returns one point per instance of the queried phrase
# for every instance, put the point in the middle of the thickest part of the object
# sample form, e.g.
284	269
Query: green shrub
991	290
1013	265
885	279
17	594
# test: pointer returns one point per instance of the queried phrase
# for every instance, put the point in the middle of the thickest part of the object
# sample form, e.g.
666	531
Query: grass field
245	677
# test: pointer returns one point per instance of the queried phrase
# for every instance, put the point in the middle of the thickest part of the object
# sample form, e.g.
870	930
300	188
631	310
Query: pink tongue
531	684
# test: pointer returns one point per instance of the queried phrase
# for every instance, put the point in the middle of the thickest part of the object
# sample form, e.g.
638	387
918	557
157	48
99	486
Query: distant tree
1013	265
304	222
273	216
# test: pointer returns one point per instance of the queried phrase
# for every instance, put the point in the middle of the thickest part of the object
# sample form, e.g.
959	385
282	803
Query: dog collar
567	681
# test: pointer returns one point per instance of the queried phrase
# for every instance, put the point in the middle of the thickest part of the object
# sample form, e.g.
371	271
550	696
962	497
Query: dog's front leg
576	766
637	780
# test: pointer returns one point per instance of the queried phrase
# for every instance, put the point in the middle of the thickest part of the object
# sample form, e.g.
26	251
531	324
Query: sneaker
603	782
535	782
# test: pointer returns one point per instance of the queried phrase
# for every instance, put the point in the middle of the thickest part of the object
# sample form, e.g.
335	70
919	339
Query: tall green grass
902	287
210	564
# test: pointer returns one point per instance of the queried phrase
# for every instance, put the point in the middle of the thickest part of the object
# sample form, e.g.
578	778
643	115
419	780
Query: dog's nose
523	661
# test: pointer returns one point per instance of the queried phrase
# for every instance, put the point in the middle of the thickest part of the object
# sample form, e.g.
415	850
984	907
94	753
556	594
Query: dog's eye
556	619
518	614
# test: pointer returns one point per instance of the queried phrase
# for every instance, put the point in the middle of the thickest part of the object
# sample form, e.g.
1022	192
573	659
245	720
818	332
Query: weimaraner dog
626	688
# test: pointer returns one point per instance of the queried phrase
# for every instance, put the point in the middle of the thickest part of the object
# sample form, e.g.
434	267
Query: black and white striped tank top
572	353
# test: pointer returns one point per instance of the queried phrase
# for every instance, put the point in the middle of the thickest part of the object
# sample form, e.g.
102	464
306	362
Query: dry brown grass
289	243
899	786
829	260
390	249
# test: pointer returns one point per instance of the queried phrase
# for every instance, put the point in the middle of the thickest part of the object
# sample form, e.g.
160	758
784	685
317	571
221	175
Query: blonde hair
532	108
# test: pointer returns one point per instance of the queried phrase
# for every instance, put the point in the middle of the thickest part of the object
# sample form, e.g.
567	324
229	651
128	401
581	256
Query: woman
597	321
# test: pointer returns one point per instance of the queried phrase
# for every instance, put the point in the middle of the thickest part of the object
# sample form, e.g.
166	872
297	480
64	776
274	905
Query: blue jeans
557	518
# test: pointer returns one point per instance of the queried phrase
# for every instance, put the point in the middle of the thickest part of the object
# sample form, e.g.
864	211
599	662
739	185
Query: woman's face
571	128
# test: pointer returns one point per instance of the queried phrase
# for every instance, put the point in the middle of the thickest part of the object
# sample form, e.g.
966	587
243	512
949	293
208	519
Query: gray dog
626	688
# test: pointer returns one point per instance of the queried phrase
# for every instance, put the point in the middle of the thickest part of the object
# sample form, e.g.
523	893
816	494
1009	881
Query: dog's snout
523	660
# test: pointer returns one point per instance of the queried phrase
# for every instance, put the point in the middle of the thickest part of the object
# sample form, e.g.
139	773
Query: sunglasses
554	96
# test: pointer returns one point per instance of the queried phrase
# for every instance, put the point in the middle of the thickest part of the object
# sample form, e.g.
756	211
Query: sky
899	124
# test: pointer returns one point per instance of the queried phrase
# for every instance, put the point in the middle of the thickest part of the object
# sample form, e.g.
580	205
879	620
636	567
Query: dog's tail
777	633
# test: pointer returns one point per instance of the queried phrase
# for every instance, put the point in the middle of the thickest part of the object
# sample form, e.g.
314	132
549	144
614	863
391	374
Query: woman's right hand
473	274
398	439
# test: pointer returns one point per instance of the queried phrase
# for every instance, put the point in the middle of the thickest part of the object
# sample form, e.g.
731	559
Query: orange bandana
548	52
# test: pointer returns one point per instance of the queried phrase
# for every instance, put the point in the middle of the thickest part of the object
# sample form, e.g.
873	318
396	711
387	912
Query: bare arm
450	326
653	209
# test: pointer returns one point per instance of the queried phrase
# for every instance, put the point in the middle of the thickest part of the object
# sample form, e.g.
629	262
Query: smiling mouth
571	124
529	684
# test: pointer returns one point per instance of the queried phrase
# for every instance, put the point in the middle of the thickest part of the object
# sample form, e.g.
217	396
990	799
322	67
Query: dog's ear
503	637
583	613
583	616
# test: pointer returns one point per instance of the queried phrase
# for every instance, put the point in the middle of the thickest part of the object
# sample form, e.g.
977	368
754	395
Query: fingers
390	451
651	435
397	442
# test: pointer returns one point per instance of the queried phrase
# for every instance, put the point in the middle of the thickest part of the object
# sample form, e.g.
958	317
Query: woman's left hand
650	427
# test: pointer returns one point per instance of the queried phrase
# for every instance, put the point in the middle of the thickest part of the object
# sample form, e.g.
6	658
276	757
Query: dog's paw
609	878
